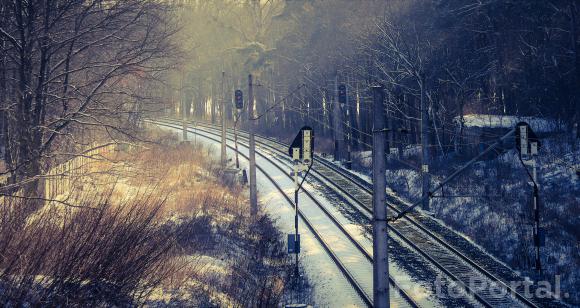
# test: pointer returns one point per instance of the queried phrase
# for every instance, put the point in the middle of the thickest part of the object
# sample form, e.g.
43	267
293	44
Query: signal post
301	152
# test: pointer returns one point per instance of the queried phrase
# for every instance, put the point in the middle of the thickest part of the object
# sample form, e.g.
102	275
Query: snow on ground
506	121
331	289
320	270
495	213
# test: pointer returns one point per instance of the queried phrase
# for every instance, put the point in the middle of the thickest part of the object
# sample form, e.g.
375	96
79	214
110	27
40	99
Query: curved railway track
360	191
399	298
412	230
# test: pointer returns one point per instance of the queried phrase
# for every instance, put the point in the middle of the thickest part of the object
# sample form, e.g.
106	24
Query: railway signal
528	144
301	151
301	148
338	123
239	102
342	94
239	99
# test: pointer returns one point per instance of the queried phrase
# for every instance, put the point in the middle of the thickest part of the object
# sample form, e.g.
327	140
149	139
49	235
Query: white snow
331	289
507	121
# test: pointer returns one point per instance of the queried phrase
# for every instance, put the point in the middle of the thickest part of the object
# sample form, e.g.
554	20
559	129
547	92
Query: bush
150	226
95	255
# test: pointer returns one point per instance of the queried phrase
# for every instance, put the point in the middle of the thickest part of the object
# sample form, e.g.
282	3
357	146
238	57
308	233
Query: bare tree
73	66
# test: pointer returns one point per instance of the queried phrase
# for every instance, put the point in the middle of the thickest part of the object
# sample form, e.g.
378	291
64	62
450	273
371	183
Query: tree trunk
354	125
459	137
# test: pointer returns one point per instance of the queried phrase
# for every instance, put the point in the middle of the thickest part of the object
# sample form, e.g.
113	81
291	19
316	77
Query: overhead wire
392	157
349	133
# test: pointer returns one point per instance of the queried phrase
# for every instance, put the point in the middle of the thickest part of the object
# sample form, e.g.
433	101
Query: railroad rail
412	230
430	231
399	298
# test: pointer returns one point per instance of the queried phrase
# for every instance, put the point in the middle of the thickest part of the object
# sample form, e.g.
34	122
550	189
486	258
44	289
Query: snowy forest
496	57
479	66
78	78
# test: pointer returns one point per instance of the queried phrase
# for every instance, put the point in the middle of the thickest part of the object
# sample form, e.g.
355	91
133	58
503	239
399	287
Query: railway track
418	228
399	298
415	232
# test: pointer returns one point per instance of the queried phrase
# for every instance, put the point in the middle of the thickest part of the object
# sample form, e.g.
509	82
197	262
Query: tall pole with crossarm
251	123
425	175
380	248
223	114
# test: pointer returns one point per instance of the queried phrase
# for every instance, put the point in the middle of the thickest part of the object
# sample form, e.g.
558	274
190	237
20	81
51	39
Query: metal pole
527	157
253	187
390	131
183	112
380	237
338	128
575	49
536	219
349	119
223	110
424	145
236	141
184	130
537	228
296	271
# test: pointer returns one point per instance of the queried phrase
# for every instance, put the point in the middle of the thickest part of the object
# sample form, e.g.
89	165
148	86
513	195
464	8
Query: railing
60	178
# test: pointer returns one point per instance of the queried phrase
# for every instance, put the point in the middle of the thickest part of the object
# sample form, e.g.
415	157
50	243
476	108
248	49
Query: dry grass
103	255
154	228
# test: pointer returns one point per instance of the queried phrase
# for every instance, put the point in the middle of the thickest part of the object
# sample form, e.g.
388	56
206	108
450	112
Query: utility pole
223	110
338	128
343	101
251	120
239	100
380	237
537	231
576	51
296	238
390	125
528	144
236	143
184	128
183	111
424	144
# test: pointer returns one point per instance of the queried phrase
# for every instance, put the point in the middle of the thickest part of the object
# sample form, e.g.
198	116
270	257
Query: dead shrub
126	246
96	255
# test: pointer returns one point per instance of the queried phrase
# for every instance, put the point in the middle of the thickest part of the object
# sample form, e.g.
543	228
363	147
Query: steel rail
405	239
311	227
415	223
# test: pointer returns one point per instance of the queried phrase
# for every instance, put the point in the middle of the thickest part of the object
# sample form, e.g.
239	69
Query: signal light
342	94
239	99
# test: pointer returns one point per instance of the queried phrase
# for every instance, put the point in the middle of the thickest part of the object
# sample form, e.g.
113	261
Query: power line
277	103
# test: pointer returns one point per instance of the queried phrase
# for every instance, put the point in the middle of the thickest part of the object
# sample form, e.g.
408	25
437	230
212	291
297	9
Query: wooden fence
60	179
